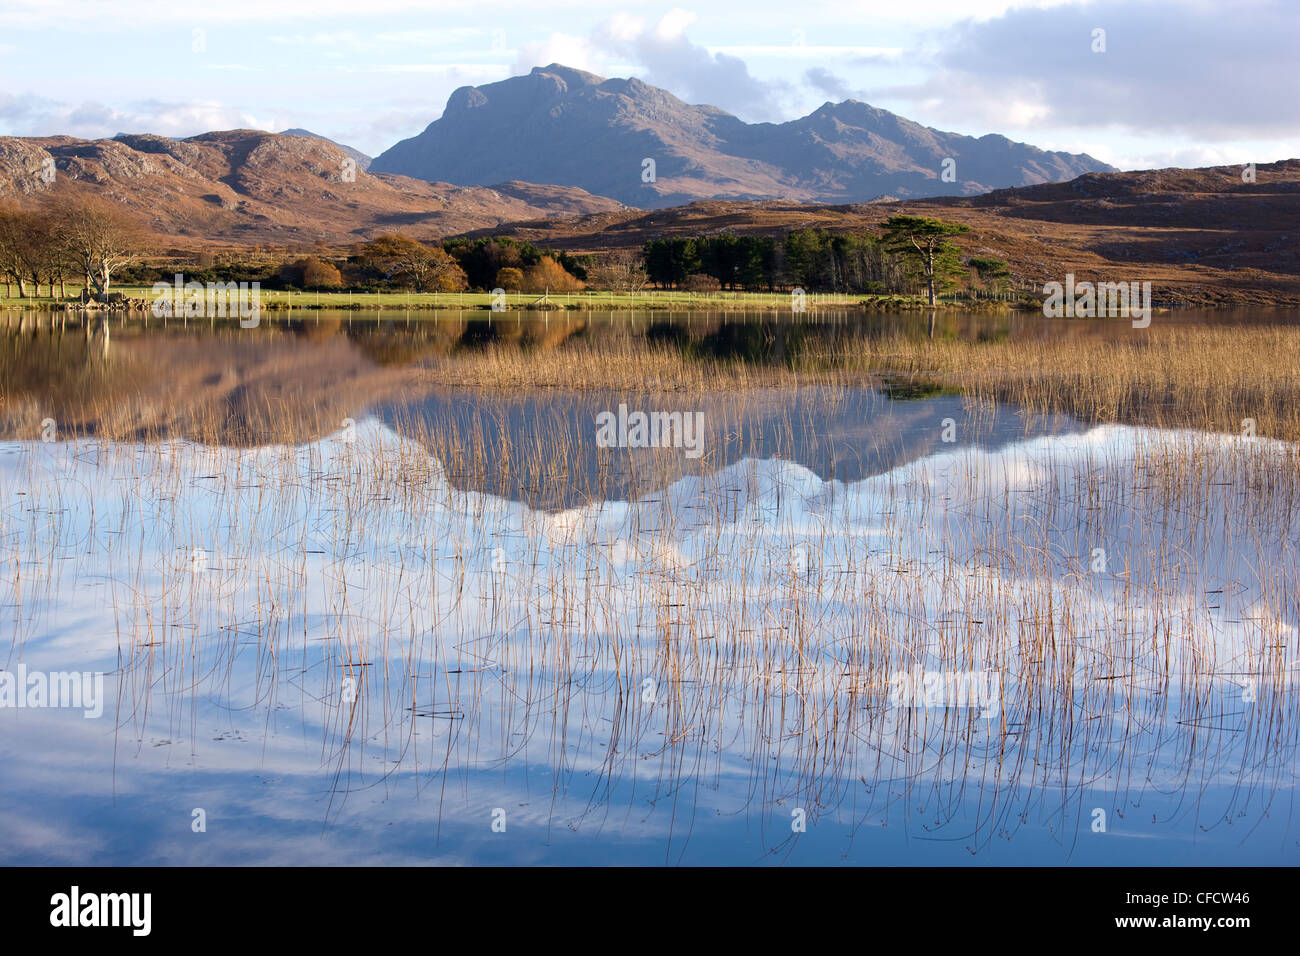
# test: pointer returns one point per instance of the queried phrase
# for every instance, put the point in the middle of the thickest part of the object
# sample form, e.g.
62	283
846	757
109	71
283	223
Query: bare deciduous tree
98	235
619	272
16	247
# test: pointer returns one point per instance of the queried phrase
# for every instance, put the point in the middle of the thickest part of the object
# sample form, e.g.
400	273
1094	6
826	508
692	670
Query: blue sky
1180	82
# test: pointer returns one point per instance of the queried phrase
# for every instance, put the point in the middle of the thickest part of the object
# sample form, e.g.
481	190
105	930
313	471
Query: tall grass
371	562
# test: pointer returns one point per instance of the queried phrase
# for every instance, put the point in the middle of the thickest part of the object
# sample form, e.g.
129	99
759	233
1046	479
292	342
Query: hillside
1201	236
561	125
250	187
363	161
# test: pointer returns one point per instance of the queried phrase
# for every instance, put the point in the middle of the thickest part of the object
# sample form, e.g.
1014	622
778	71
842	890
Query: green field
591	300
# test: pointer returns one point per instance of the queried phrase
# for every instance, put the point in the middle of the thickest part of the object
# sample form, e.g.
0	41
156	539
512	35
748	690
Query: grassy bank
596	301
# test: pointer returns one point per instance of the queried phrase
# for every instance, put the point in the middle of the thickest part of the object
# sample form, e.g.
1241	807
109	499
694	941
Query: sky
1135	84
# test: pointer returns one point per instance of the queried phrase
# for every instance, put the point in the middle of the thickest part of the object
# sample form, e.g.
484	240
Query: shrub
699	282
549	275
311	273
509	278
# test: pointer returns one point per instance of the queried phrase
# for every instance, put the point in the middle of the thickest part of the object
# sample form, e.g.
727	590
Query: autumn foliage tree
96	235
510	278
547	275
699	282
318	274
448	276
410	264
310	272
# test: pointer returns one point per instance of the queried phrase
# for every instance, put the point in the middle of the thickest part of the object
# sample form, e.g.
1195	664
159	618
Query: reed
670	640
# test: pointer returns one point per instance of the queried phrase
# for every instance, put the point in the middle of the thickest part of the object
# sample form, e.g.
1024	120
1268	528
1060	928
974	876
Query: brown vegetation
1200	236
67	235
407	263
250	187
547	275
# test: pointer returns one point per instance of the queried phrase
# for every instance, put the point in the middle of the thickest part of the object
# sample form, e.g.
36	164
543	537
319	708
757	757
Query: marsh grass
1208	378
371	561
1213	379
363	561
1168	375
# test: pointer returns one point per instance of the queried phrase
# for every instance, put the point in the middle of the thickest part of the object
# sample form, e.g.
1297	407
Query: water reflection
361	647
841	433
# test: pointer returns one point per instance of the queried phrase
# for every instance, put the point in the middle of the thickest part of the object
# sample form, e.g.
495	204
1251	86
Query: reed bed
732	631
1215	378
1218	379
675	638
1181	377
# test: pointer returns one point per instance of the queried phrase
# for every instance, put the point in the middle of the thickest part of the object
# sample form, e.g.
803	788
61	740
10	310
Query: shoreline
577	303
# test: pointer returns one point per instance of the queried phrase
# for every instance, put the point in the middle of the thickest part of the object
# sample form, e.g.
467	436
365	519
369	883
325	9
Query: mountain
252	187
363	161
565	126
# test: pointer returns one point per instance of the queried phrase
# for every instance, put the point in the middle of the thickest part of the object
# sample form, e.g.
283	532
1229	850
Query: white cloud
804	51
660	53
1192	70
90	15
1186	78
1190	156
824	81
31	115
463	39
672	26
562	48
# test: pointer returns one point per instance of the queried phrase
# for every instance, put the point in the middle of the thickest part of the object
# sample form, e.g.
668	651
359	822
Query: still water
387	622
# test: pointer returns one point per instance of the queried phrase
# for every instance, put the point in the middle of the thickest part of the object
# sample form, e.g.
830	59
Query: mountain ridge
597	133
254	187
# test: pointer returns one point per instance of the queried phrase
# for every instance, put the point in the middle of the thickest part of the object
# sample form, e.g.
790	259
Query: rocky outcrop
254	187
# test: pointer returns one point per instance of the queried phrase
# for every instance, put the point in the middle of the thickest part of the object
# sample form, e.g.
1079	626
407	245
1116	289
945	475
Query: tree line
811	259
91	241
66	238
398	262
913	253
77	237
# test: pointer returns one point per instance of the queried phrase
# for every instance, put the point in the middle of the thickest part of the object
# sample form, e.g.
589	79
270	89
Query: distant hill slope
363	161
253	187
565	126
1200	236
